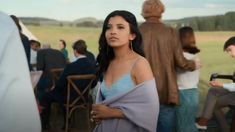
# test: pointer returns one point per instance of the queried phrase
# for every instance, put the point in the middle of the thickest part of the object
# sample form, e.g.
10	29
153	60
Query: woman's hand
100	112
216	84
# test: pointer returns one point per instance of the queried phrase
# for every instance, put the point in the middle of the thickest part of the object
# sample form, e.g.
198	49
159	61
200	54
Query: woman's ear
132	36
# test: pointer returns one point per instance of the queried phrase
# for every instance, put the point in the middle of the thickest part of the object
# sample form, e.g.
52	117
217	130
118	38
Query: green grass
211	44
52	34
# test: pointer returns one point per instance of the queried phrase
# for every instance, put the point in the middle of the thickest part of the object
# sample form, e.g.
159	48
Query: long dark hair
106	53
193	49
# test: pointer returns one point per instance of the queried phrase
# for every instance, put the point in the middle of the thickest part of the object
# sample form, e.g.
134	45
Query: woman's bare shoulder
142	70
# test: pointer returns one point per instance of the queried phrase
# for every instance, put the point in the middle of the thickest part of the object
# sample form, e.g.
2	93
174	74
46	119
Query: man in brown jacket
164	52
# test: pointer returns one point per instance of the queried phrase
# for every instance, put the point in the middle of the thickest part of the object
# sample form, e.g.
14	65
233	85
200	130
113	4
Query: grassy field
211	44
52	34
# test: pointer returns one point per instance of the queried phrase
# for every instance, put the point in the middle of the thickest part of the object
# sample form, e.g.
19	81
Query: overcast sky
73	9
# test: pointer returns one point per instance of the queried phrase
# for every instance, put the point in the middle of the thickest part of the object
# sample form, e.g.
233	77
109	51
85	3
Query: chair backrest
55	72
80	92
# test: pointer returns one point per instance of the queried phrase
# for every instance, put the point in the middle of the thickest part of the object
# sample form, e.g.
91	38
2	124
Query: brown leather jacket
163	51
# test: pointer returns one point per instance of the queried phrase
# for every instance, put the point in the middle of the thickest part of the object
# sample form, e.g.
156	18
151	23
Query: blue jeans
166	118
187	110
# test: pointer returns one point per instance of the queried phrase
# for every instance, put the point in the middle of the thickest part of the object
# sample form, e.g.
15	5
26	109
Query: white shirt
74	58
33	56
18	109
188	79
229	86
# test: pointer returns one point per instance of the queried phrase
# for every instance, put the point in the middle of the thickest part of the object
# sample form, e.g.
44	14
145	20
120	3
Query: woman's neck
123	53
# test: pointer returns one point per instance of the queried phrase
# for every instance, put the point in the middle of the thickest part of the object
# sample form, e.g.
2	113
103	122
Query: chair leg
67	118
88	120
233	122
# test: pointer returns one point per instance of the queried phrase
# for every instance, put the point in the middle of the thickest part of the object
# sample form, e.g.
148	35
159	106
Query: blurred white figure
18	109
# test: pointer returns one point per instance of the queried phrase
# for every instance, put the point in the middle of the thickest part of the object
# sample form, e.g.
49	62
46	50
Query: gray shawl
140	107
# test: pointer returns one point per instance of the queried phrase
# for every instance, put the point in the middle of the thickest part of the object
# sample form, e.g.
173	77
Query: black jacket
79	67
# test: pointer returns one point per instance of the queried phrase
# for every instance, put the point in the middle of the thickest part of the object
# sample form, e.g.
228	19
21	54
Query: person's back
18	111
81	66
90	57
50	58
188	79
163	51
59	94
188	84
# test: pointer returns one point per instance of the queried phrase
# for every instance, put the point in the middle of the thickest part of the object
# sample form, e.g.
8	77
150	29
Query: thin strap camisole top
122	85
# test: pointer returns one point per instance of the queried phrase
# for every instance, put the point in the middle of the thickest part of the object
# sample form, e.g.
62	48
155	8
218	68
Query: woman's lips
113	39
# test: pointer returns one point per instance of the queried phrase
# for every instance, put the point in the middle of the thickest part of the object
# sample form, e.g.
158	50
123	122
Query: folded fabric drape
140	107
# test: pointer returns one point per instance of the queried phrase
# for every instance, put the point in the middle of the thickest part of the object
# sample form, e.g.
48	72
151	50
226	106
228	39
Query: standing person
188	83
48	59
127	99
163	51
34	47
63	49
221	95
24	39
18	111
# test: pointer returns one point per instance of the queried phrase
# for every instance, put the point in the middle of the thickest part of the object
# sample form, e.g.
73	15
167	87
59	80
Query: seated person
88	54
81	66
62	47
218	97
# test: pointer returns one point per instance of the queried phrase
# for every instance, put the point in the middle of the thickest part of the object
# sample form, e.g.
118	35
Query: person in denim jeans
164	52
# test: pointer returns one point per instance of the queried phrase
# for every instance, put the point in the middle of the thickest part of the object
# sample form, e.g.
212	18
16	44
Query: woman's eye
108	27
120	27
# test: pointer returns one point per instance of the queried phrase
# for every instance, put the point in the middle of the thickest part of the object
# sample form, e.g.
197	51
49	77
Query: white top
229	86
74	58
33	56
188	79
18	109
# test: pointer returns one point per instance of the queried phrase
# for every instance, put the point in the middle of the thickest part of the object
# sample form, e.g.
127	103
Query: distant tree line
224	22
84	22
89	24
210	23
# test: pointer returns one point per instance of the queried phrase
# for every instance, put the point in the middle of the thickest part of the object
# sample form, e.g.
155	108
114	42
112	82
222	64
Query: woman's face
231	50
61	45
118	32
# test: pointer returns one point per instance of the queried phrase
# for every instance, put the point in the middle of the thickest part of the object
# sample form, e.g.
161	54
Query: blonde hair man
164	52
